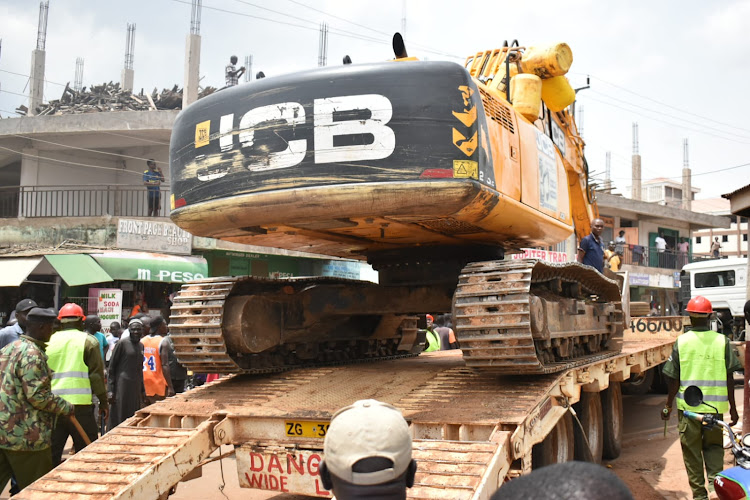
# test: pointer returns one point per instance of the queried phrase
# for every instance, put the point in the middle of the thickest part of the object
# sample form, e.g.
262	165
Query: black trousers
64	428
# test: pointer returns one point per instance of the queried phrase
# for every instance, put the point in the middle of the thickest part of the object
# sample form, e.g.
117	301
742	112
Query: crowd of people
61	378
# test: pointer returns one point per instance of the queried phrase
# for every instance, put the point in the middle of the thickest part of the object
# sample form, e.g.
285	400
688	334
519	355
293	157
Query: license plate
306	428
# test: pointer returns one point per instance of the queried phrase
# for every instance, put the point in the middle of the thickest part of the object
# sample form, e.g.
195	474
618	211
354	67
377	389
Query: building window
697	240
744	237
725	238
677	193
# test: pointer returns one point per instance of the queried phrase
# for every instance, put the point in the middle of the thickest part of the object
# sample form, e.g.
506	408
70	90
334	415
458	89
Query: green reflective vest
433	341
703	363
70	379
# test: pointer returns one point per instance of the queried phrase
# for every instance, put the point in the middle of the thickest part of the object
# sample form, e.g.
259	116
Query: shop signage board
637	279
341	269
164	270
545	255
109	307
153	236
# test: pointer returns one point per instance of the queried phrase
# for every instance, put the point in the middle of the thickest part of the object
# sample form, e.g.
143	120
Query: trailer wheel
557	447
639	383
612	414
589	410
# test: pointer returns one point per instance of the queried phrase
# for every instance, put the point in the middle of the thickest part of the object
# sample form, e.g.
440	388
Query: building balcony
637	255
79	201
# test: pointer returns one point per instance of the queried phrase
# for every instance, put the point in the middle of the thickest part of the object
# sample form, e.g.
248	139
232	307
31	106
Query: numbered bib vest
153	378
703	363
70	379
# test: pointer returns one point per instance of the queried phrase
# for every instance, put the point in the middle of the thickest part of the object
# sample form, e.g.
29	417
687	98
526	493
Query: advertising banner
109	307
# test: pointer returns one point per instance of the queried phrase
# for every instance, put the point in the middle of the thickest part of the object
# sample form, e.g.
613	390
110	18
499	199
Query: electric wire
88	165
29	76
671	124
664	104
87	149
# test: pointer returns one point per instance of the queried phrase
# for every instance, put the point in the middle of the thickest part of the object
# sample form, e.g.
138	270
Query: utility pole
687	182
403	18
608	173
192	56
580	121
636	162
248	67
38	56
323	45
126	77
78	81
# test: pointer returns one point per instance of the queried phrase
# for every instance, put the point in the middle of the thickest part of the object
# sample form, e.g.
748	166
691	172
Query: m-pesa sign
294	471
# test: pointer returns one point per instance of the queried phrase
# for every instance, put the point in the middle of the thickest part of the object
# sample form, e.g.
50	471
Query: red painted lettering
274	463
282	484
313	464
255	481
320	490
273	482
253	467
300	467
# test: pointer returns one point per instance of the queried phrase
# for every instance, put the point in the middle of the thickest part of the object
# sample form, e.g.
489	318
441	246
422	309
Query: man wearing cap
75	358
432	338
703	358
367	453
125	383
27	405
13	332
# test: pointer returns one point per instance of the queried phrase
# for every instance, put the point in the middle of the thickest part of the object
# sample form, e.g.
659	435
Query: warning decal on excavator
465	169
202	133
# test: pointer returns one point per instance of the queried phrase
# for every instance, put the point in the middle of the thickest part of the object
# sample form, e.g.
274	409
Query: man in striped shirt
231	73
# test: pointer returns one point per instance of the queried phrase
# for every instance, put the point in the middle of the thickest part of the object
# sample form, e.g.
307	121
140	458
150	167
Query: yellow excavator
432	172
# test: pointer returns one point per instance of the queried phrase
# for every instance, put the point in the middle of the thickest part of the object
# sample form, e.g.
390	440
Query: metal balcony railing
637	255
83	201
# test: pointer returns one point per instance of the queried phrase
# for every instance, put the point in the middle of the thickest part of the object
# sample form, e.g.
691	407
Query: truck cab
724	283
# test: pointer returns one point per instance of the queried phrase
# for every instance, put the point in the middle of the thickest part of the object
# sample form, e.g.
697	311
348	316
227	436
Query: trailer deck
471	430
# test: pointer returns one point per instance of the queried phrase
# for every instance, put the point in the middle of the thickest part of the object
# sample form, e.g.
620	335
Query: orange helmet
71	310
699	305
429	316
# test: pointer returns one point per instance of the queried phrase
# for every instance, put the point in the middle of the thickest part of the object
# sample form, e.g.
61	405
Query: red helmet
700	305
71	310
429	316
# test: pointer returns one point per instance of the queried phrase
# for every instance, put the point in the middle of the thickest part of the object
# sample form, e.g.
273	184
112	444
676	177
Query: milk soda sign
109	307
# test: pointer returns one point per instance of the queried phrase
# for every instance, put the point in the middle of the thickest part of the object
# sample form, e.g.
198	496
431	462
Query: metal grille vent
497	111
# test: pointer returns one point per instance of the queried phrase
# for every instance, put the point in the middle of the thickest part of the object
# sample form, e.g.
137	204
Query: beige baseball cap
367	429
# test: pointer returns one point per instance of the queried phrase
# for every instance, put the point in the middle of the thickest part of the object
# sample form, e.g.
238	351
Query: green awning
141	266
78	269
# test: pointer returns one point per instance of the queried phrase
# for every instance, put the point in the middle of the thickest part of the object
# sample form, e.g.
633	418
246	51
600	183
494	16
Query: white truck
724	283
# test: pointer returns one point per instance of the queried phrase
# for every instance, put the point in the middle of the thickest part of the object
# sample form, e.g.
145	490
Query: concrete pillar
36	84
192	69
636	189
29	179
687	189
126	79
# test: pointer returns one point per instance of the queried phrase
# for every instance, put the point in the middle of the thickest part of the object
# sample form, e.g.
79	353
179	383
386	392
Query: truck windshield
714	279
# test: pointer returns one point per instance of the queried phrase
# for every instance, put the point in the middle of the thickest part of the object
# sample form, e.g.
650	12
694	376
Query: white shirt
661	244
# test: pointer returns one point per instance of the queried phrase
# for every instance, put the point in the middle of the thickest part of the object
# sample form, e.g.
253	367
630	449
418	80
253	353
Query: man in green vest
703	358
76	360
432	339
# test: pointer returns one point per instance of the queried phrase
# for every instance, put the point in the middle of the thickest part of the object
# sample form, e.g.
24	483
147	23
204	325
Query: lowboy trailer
472	431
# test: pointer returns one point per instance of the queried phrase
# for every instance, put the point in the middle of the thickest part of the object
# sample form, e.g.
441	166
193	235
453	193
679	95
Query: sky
679	68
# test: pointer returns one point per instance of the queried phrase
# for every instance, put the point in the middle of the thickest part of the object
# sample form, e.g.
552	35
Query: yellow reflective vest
433	341
703	363
70	379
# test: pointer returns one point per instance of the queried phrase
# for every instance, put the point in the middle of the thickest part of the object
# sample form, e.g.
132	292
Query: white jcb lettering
326	129
225	132
291	112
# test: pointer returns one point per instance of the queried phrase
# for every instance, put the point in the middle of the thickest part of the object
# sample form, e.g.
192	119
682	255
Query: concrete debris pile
110	97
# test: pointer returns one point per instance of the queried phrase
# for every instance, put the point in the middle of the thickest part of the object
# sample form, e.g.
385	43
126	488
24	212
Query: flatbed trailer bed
471	430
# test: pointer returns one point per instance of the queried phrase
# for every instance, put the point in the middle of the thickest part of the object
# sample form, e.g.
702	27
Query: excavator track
198	327
504	315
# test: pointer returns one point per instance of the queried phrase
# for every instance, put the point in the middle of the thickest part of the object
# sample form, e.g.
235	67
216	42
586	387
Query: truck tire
589	410
557	447
639	383
612	414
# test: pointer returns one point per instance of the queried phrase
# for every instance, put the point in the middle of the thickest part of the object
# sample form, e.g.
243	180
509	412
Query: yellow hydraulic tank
526	95
557	93
547	61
